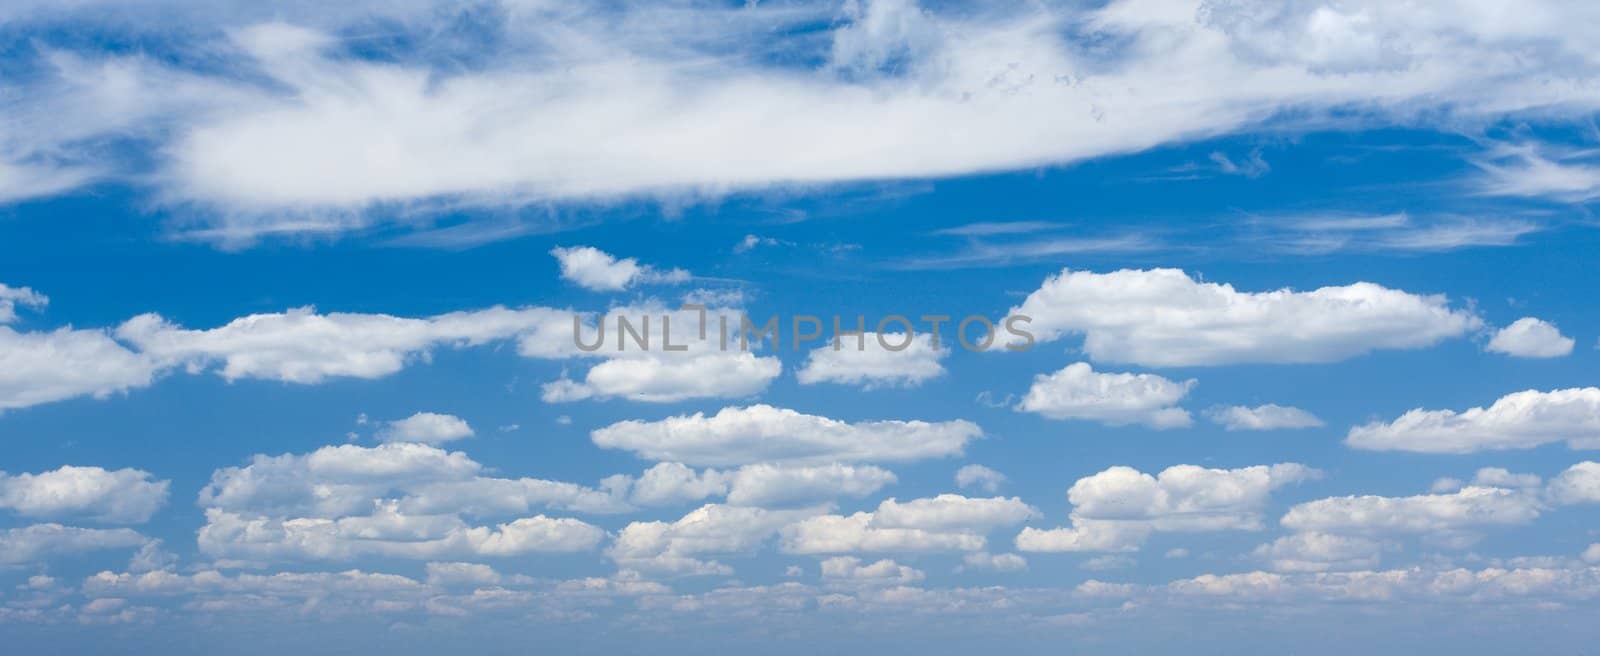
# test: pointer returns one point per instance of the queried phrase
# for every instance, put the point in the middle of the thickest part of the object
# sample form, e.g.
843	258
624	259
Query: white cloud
669	379
872	364
1579	483
670	482
995	562
855	533
979	476
782	485
1262	417
334	481
848	570
1164	317
1522	420
1117	509
1530	338
1399	588
41	541
1320	552
1345	532
11	297
762	433
762	484
44	367
597	270
1531	169
948	512
398	500
674	548
302	346
1117	399
124	496
453	574
1443	514
427	428
947	522
389	533
292	145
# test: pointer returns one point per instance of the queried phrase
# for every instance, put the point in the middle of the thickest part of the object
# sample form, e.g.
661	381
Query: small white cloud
995	562
11	297
427	428
1261	417
42	541
979	476
1116	399
668	379
1531	338
869	361
762	433
1522	420
124	496
597	270
1165	317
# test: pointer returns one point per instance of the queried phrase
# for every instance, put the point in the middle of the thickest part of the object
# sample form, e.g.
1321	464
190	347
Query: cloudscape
1126	326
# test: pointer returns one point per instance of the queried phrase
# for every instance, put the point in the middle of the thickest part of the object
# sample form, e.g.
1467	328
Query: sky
1293	346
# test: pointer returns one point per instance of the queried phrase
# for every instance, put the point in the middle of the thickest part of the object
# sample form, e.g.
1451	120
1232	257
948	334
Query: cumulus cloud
124	496
762	484
1117	509
399	500
850	571
303	346
388	532
427	428
781	485
40	541
994	562
979	476
597	270
44	367
947	522
1320	552
677	547
1349	532
1165	318
1116	399
1530	338
1445	515
1522	420
762	433
1262	417
669	379
1579	483
906	361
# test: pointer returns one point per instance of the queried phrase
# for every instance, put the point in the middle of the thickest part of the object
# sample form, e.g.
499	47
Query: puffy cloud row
1117	509
1166	318
1521	420
762	433
304	346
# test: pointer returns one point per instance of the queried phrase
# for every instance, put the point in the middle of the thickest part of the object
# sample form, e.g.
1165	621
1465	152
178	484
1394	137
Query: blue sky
286	299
